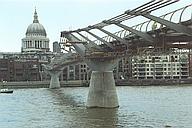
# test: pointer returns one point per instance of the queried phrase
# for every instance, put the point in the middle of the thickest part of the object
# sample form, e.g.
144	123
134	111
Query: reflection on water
142	107
78	114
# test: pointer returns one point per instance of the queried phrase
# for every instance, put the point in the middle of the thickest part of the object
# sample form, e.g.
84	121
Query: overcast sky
59	15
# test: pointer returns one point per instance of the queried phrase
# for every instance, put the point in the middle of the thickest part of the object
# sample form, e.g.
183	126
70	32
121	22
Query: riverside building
26	65
165	66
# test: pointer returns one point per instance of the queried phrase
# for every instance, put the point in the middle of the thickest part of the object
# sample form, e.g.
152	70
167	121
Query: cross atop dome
35	17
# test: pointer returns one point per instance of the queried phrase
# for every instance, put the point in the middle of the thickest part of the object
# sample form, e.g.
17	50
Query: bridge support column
102	90
54	83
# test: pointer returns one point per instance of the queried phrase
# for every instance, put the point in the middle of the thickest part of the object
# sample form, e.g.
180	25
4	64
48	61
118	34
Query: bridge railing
99	54
176	16
61	62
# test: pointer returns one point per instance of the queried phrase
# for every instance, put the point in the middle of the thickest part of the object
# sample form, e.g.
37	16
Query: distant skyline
60	15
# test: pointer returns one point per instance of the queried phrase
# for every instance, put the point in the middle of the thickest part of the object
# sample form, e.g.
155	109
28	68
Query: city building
56	47
26	65
36	37
161	66
78	71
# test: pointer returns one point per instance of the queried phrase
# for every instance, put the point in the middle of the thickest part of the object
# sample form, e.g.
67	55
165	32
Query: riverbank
152	82
41	84
80	83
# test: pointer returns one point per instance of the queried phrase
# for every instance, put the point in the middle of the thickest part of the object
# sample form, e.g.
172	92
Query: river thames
140	107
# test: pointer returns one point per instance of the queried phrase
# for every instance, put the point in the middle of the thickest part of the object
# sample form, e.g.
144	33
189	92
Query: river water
140	107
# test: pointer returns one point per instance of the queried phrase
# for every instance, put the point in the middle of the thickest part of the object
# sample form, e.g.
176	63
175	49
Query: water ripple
140	107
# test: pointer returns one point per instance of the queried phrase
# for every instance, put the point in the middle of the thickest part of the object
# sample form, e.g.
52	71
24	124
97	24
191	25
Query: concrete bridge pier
54	83
102	90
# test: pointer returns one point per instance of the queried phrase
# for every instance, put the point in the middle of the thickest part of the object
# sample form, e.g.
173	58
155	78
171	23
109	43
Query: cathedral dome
36	38
36	29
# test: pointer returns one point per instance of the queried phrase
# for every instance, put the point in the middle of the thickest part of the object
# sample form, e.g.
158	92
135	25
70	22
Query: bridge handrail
61	64
126	33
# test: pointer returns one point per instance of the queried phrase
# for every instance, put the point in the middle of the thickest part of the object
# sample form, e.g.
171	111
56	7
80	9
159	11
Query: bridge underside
165	38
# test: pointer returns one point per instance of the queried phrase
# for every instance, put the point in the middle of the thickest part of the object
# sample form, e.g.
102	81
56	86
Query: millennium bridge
162	33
